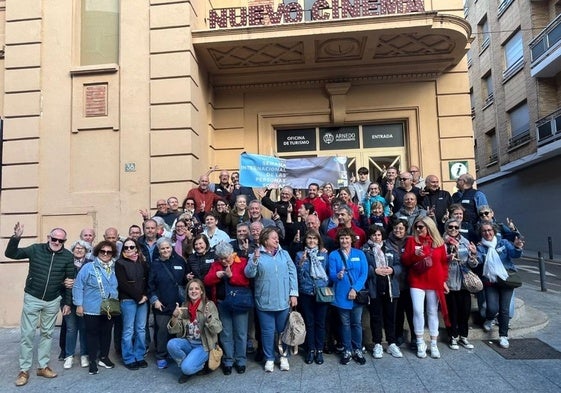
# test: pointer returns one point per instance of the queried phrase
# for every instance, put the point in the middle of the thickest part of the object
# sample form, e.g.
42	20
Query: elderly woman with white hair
74	324
228	284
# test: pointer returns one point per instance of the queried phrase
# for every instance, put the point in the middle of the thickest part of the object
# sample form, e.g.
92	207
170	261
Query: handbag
294	333
215	357
362	296
423	265
238	298
109	306
325	294
471	281
513	281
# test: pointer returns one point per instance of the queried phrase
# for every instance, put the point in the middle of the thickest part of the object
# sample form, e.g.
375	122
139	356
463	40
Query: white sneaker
84	361
269	366
465	343
454	343
394	350
503	342
284	366
488	325
69	361
378	351
434	352
421	350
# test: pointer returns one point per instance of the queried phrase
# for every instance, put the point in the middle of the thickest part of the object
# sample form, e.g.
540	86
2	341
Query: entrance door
376	160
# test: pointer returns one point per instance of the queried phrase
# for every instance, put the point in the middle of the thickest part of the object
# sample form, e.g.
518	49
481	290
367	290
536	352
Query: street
530	273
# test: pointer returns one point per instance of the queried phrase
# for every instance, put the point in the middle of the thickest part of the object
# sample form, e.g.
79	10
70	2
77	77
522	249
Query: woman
311	265
132	276
425	255
74	324
182	237
345	195
226	274
276	291
376	217
199	262
212	232
348	269
97	281
237	214
461	255
196	325
372	197
220	211
384	269
328	193
404	307
456	211
498	296
166	287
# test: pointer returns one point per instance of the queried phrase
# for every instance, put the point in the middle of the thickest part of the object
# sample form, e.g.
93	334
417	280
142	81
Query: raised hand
18	229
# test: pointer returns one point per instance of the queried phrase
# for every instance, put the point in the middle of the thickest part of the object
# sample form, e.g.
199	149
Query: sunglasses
129	247
404	178
453	227
55	240
106	252
419	227
484	214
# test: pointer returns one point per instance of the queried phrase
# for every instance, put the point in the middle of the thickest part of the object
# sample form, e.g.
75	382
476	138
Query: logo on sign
328	138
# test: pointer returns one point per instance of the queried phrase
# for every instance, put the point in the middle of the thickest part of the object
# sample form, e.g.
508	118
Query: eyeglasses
453	227
129	247
419	227
161	204
55	240
106	252
481	214
189	203
404	178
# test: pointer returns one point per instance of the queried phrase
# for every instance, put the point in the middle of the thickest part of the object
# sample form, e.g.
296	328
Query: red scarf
192	307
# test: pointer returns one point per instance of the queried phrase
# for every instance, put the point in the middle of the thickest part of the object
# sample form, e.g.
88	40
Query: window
491	145
99	35
513	50
484	36
487	89
472	103
519	120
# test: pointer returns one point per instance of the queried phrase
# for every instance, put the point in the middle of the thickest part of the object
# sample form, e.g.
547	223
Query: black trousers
382	315
98	335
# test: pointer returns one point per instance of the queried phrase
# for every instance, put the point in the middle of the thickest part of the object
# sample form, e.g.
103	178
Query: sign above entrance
320	10
383	135
338	138
296	140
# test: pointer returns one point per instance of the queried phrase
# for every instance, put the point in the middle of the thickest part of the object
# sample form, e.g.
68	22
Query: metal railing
548	128
548	38
519	139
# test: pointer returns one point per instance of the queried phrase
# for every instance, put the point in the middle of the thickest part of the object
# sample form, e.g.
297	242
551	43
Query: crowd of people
227	265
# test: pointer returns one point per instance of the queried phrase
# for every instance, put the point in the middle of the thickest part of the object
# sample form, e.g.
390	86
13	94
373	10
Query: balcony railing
548	38
493	158
503	6
473	112
519	140
548	128
489	100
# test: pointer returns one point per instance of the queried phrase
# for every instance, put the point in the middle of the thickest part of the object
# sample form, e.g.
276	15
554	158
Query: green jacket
47	270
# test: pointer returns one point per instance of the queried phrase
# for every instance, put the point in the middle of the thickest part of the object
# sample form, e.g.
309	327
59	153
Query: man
436	201
147	242
254	210
410	211
418	181
470	198
135	232
388	181
88	235
332	221
345	218
322	210
111	234
203	196
223	189
242	242
359	188
406	185
51	268
240	190
311	222
283	204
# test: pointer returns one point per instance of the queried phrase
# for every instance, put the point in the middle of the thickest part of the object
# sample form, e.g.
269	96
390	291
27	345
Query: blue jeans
351	327
271	322
498	301
190	356
233	335
75	325
133	343
314	314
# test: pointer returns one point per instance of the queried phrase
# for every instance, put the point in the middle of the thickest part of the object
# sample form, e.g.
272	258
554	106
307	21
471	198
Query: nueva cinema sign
321	10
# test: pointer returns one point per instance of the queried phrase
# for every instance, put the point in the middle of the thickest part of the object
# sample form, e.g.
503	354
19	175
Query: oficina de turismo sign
321	10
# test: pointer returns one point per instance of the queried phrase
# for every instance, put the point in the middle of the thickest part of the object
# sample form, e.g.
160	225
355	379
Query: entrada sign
321	10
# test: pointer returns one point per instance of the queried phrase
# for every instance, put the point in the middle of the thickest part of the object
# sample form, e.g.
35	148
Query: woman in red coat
425	255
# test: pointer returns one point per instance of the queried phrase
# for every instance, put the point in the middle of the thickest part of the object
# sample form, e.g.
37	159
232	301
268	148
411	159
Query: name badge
465	201
355	259
501	249
321	258
178	268
209	261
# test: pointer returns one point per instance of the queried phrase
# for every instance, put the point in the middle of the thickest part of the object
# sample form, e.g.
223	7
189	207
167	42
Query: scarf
107	266
178	246
316	268
192	307
78	263
493	267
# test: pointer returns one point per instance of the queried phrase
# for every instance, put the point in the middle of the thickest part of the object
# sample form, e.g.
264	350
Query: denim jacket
306	283
86	291
506	251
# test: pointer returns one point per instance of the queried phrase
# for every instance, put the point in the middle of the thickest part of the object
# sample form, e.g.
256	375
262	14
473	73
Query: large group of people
228	265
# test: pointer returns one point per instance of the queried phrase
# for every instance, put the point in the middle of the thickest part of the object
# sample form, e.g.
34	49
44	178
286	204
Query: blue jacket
275	280
307	284
357	268
86	291
506	251
161	286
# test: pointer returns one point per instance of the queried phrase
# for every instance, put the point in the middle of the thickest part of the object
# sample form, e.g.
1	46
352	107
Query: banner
260	171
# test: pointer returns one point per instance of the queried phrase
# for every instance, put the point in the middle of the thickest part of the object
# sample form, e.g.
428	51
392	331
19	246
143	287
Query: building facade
110	105
515	67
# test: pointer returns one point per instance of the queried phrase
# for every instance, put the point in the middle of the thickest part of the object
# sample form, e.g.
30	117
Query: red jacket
238	278
434	277
361	235
322	210
208	197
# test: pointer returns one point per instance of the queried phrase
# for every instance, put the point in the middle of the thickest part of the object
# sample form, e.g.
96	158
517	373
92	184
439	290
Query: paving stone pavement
478	370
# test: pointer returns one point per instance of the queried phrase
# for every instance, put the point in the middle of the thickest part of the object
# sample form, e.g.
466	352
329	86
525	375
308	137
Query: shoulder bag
238	298
109	307
362	296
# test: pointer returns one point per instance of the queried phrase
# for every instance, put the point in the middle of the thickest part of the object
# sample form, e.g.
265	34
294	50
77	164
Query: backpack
294	333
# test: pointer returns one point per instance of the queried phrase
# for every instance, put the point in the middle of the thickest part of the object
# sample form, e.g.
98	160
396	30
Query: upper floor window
519	120
99	35
484	35
513	50
487	89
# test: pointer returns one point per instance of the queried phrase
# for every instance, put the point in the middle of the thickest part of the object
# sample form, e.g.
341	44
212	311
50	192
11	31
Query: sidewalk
479	370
